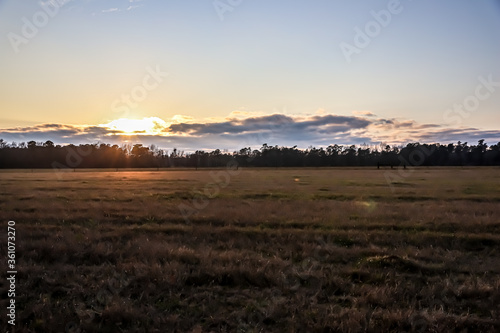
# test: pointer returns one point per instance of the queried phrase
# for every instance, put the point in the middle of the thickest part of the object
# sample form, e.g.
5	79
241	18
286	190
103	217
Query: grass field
270	250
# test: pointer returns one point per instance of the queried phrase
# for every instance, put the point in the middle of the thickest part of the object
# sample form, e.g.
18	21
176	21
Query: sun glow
144	126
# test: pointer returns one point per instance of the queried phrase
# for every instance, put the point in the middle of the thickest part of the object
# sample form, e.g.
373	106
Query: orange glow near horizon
144	126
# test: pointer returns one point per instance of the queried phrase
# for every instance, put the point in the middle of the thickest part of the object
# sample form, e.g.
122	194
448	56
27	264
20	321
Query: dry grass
289	250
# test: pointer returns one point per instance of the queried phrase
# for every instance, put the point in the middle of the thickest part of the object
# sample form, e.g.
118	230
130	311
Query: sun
144	126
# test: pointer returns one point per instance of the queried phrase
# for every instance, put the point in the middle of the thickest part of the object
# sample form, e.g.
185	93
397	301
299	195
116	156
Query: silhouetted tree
48	155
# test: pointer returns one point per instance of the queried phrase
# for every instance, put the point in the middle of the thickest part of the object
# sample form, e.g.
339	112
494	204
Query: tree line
48	155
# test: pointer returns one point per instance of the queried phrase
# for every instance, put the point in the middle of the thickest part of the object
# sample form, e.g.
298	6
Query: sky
228	74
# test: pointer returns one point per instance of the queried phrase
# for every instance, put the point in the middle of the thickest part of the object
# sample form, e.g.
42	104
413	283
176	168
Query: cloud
133	7
128	8
109	10
247	129
364	113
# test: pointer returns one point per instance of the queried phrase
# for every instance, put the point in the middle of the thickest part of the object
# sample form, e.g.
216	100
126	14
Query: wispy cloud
133	7
363	113
246	129
133	4
109	10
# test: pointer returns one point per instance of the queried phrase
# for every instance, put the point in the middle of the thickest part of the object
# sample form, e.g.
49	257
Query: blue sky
246	61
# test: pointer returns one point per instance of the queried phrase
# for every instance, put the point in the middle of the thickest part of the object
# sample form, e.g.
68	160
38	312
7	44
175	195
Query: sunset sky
235	73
